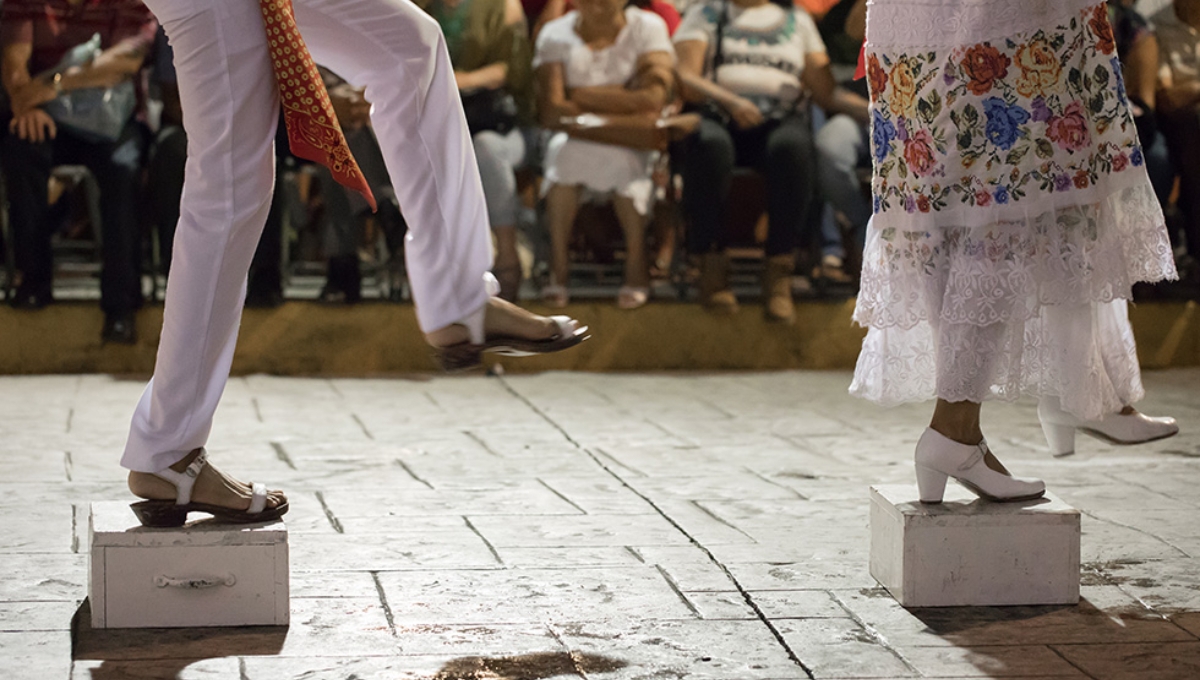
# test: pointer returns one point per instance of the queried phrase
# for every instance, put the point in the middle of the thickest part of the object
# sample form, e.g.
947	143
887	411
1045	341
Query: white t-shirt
616	64
764	47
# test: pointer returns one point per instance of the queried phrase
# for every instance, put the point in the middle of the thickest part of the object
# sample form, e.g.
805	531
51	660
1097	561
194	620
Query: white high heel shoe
1117	428
939	457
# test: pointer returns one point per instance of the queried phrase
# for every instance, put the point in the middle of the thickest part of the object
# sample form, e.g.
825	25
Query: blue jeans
843	147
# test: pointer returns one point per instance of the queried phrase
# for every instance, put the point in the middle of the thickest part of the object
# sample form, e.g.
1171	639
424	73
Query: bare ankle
186	460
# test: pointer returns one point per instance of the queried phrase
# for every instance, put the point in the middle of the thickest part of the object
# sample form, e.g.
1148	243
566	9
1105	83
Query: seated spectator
346	210
541	12
1178	101
1137	48
843	144
491	54
35	35
343	208
754	86
585	60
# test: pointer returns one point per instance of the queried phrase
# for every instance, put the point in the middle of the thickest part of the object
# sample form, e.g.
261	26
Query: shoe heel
159	514
1060	438
931	484
458	358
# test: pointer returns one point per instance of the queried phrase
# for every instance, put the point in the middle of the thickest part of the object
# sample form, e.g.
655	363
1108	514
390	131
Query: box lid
961	507
113	523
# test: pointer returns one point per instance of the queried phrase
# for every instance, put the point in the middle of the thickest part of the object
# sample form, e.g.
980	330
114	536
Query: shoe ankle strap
184	481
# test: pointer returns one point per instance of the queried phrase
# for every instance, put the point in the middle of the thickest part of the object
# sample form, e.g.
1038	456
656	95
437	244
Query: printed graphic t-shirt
764	47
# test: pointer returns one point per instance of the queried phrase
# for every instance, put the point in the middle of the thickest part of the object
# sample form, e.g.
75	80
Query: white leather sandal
939	457
1116	428
167	513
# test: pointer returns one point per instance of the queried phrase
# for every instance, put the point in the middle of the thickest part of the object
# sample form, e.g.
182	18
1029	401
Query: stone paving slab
594	527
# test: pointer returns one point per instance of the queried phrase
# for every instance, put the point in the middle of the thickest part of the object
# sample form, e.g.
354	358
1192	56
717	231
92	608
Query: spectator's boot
715	294
777	289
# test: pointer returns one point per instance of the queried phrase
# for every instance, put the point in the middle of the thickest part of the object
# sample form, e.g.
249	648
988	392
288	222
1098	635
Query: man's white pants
231	107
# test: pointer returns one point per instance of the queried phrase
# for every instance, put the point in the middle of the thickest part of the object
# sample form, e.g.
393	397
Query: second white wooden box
201	574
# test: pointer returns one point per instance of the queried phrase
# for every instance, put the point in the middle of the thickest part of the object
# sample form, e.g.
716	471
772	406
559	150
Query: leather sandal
167	513
469	353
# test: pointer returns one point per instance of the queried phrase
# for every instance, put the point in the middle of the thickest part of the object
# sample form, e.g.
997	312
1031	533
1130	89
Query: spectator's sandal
167	513
468	354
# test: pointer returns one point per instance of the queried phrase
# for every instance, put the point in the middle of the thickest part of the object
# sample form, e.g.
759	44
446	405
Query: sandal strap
258	498
184	481
566	326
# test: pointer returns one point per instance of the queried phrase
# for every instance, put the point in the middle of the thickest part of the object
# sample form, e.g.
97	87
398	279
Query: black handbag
494	110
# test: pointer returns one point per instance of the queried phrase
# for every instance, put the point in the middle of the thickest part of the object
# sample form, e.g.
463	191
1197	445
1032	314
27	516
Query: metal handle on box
194	583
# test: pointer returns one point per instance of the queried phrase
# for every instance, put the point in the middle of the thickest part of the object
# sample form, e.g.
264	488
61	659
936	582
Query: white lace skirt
1012	209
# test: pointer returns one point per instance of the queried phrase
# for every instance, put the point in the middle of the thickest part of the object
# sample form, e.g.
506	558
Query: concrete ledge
305	338
971	552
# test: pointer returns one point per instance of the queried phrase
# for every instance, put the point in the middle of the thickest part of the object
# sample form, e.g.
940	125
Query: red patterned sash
312	127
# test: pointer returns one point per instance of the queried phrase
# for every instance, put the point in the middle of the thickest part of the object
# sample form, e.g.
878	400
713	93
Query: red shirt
55	26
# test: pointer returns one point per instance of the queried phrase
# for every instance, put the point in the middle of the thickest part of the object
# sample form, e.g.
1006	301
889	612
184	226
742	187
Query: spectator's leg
790	168
264	287
229	94
707	176
1183	137
499	156
637	269
343	279
117	168
562	204
165	186
26	174
789	162
842	148
399	54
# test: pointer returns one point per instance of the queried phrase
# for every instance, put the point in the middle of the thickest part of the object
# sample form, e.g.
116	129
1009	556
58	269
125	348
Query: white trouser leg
231	107
397	51
231	104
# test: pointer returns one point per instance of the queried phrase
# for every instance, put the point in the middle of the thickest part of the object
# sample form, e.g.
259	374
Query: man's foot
32	297
119	328
212	487
501	319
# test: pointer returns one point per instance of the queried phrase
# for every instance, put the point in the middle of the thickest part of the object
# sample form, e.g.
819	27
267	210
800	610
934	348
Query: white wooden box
201	574
967	551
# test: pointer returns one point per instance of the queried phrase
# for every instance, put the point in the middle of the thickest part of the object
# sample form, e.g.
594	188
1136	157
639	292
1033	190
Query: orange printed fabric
312	127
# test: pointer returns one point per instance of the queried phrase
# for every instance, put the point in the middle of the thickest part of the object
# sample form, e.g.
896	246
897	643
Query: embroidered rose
984	65
1040	68
1070	130
1004	122
904	89
923	203
1136	158
918	153
1120	162
1062	182
1001	195
1081	179
877	77
982	198
1102	29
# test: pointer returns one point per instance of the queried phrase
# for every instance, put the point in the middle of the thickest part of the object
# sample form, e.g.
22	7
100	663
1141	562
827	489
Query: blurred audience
491	53
1178	100
615	62
35	36
843	145
753	68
